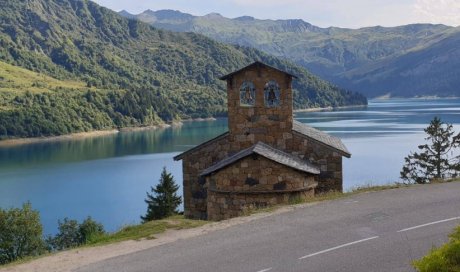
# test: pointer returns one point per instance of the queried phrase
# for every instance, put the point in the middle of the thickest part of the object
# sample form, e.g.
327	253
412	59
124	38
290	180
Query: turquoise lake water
107	177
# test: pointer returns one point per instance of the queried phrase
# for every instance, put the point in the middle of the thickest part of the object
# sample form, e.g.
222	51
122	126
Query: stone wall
254	182
257	173
195	191
226	205
193	163
248	125
329	160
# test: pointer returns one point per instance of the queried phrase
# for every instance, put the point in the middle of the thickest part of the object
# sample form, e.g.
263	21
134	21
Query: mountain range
100	70
404	61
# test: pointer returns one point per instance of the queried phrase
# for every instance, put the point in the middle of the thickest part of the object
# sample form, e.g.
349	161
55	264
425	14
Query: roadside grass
132	232
147	230
445	258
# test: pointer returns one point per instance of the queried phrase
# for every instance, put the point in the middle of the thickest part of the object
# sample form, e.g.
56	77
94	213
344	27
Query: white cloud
438	11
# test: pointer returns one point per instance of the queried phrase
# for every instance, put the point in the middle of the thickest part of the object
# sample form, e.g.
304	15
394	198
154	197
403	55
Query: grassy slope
18	80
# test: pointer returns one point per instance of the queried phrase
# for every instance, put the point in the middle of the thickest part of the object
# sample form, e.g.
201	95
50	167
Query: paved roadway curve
379	231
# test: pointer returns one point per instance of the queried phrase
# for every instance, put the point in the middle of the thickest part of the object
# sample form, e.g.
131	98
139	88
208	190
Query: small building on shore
266	157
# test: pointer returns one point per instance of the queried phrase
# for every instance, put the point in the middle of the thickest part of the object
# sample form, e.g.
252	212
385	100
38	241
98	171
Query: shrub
20	233
72	234
68	236
90	230
443	259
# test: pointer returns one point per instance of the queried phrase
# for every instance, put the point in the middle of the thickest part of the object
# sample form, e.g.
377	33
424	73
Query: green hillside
134	74
334	53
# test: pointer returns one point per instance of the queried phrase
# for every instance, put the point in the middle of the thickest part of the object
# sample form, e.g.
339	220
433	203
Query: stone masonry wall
248	125
256	173
254	182
195	191
195	194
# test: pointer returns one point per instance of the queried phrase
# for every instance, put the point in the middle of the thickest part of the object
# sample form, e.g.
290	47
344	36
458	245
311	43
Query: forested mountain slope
336	53
133	74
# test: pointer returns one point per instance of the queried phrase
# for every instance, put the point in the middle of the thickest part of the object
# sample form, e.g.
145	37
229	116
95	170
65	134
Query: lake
107	177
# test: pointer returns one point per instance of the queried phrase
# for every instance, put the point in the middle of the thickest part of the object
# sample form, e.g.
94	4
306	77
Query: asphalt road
379	231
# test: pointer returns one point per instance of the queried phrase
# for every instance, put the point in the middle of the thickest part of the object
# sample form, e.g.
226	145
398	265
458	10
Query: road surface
378	231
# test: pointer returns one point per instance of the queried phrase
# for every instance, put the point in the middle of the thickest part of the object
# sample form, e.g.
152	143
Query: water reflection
176	138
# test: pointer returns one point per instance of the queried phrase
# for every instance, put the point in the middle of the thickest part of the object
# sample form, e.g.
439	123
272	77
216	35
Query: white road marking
350	202
431	223
337	247
265	270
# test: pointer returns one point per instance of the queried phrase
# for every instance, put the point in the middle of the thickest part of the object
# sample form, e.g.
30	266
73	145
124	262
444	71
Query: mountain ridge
335	53
135	74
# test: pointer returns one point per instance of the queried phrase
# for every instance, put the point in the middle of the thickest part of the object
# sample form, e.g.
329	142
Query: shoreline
330	108
427	97
72	136
96	133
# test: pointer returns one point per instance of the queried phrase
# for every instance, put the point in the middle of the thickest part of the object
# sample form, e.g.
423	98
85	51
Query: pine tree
435	161
163	201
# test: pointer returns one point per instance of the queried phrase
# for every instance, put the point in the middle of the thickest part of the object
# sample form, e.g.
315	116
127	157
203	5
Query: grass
445	258
147	230
134	232
18	80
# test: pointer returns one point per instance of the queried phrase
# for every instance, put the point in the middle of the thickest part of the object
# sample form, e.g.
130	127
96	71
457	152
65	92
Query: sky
324	13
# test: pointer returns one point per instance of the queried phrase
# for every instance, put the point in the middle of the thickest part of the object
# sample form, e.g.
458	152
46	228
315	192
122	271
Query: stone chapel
266	157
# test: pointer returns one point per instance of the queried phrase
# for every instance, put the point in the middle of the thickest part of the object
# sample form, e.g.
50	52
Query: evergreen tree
163	201
436	160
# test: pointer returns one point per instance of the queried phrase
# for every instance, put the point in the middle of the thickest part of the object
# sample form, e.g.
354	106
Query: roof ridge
268	152
257	62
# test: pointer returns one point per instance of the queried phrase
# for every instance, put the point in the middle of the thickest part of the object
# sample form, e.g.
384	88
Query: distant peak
167	14
245	18
124	12
214	15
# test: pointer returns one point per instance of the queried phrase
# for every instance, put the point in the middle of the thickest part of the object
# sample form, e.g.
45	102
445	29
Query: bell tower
260	105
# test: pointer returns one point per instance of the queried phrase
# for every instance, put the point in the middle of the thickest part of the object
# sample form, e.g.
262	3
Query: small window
272	94
247	94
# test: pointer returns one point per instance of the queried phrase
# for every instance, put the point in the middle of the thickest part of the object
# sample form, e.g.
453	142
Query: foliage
443	259
116	72
72	234
90	230
435	161
20	233
164	200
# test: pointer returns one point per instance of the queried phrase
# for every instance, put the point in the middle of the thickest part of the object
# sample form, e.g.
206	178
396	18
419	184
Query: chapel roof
257	64
304	130
268	152
321	137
